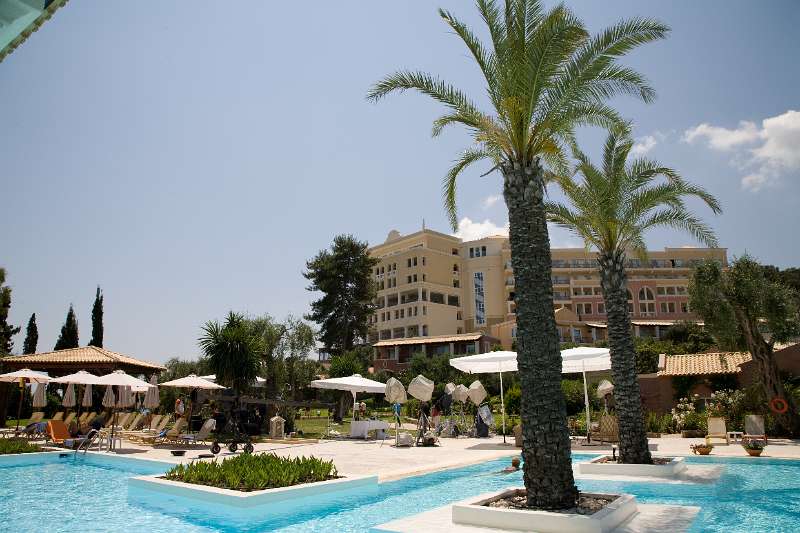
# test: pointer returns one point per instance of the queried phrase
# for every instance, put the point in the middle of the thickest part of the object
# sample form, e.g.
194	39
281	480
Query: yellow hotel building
439	294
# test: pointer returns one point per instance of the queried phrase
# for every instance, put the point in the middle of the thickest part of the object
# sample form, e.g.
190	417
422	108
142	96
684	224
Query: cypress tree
7	331
97	320
31	336
69	332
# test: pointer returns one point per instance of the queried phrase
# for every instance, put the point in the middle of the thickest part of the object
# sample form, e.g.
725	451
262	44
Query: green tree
741	307
545	75
31	336
788	276
97	320
69	332
232	351
179	368
343	365
343	275
611	208
7	332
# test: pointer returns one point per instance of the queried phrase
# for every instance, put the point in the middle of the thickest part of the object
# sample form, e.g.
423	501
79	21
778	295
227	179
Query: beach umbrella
354	384
87	396
151	398
21	377
121	380
585	359
125	396
194	382
260	382
69	396
40	396
108	398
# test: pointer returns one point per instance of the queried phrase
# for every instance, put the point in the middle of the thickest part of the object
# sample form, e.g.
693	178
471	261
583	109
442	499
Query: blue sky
190	160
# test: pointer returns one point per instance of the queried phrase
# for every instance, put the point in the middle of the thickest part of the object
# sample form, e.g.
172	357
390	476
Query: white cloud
644	145
489	201
772	149
470	231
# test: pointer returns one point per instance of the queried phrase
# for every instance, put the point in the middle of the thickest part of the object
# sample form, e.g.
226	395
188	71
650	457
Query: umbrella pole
586	401
19	403
503	407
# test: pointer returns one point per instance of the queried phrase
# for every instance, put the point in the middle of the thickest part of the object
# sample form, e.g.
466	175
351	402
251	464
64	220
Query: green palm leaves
232	351
545	75
612	207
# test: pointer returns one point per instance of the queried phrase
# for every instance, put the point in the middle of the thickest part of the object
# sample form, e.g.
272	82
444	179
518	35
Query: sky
189	161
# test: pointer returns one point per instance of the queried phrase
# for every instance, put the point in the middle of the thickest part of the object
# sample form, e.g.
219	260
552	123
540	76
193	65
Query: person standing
179	408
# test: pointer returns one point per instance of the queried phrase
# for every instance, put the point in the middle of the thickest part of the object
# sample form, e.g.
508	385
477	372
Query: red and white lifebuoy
778	405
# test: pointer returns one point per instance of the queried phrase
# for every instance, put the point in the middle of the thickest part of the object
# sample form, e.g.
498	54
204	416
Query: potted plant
753	447
701	449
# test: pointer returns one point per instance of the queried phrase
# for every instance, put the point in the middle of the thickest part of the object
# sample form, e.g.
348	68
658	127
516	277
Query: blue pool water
91	494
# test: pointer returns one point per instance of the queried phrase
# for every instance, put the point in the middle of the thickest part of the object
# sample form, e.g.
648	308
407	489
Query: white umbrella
125	396
69	396
108	398
353	384
151	398
120	379
87	396
192	382
39	397
585	359
21	376
81	377
489	363
213	377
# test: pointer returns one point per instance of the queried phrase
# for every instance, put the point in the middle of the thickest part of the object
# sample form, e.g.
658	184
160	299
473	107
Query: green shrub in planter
248	472
8	446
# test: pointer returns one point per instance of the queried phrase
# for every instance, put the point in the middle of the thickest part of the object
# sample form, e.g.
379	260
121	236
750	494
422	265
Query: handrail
87	441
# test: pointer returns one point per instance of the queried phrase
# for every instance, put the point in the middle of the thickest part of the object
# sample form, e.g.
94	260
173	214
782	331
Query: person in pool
513	468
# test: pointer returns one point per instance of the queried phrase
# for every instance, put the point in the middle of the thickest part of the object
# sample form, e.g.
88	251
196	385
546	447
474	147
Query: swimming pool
91	494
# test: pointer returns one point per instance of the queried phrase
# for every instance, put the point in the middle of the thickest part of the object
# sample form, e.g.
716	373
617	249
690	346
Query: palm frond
450	181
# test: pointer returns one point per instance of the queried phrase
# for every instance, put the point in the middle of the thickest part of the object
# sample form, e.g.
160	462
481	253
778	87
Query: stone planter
702	450
475	513
597	466
693	433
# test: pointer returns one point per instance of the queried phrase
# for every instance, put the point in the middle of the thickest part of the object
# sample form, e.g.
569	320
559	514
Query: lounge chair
717	430
607	429
38	416
69	419
155	423
58	432
89	417
754	428
121	420
133	423
201	436
165	436
58	416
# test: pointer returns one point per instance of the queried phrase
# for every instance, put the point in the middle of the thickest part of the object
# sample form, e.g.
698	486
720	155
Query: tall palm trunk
546	446
632	437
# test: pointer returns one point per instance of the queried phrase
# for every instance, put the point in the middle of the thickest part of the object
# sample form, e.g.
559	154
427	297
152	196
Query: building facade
432	284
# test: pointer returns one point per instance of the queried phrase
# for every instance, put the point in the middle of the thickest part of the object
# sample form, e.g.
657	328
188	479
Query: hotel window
424	294
456	284
423	277
480	309
661	291
424	310
471	252
684	307
424	329
423	260
681	289
409	279
458	315
647	308
454	251
483	251
452	300
414	262
455	268
576	291
646	294
671	291
408	263
601	309
598	291
402	313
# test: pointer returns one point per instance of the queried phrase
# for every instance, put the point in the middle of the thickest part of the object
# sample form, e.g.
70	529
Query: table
359	429
735	436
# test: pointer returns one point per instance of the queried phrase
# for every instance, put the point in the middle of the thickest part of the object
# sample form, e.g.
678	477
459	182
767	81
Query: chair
70	418
58	416
164	436
38	416
717	430
133	423
57	431
89	418
202	435
607	429
754	428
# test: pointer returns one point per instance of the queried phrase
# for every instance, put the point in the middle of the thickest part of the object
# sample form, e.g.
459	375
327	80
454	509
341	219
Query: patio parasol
123	382
21	376
69	396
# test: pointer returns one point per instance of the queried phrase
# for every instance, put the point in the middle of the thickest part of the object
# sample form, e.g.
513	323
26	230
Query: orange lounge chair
57	431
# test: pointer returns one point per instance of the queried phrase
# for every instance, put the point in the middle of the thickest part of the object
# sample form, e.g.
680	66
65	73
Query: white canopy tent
353	384
574	360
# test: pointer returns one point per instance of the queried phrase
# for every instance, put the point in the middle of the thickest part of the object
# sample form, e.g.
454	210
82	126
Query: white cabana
192	382
22	376
151	397
69	396
354	384
489	363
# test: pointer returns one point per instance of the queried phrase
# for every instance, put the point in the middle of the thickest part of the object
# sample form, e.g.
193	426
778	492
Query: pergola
90	358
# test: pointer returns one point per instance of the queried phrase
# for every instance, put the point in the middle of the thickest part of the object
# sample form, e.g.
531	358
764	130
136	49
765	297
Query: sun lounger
201	436
38	416
133	423
58	416
608	429
57	431
89	418
754	428
170	435
69	419
717	430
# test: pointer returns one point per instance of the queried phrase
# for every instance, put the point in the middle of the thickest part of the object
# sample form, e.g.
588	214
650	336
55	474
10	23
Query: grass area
316	427
8	446
248	472
12	422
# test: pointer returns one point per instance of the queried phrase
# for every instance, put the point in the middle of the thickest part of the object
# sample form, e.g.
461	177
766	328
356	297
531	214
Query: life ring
778	405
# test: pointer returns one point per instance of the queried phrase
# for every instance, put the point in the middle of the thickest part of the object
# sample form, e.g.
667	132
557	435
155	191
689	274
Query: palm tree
545	75
232	351
611	208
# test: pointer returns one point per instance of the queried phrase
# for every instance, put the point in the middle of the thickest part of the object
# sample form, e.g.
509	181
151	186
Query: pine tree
31	336
97	320
69	332
7	331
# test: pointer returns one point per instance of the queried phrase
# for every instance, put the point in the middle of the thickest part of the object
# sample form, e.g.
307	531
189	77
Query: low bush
248	472
8	446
